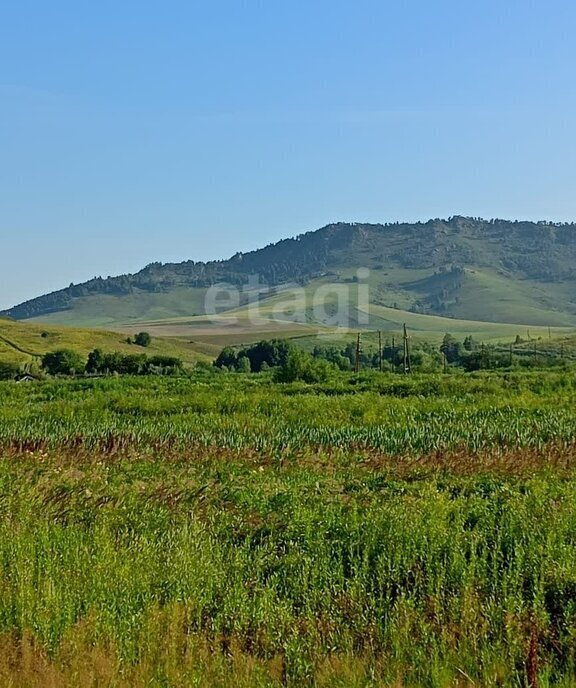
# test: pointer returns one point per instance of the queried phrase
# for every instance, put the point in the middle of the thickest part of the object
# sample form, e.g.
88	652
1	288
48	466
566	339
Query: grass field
200	339
105	311
480	293
23	342
487	304
228	531
486	294
237	327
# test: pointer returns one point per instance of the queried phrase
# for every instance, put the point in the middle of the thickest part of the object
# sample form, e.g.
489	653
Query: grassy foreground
232	532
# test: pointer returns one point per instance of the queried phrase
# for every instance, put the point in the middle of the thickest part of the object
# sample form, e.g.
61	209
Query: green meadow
226	530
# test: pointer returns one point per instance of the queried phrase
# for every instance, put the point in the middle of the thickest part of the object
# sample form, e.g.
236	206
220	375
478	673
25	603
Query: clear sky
140	131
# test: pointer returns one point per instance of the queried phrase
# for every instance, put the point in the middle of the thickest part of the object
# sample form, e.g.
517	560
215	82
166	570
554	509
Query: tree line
98	362
288	362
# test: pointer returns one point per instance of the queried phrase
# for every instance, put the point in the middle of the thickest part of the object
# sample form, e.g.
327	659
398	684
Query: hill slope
24	342
466	268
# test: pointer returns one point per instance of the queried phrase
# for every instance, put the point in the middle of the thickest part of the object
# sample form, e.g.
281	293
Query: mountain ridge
428	267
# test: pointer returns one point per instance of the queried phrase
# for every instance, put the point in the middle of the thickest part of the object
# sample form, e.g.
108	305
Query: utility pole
406	352
358	351
379	351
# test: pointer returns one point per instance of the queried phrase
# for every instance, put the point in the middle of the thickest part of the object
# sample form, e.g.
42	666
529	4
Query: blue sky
140	131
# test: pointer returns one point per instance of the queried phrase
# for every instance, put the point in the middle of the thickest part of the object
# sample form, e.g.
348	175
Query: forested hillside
462	267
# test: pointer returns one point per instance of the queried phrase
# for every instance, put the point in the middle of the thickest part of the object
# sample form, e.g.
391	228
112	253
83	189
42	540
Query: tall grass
413	540
427	414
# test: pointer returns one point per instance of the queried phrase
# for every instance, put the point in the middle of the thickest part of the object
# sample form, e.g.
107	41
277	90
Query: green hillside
24	342
106	310
235	327
495	271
